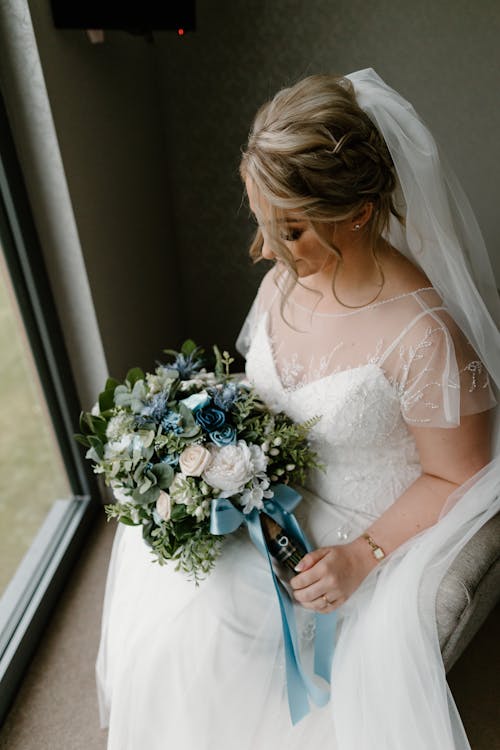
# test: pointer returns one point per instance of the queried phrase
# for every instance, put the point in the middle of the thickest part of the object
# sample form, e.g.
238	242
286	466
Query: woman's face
309	254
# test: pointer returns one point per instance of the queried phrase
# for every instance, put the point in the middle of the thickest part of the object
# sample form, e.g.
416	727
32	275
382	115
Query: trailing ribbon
226	518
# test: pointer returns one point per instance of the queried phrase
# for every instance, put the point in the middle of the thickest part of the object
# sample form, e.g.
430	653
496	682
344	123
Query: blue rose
210	418
225	436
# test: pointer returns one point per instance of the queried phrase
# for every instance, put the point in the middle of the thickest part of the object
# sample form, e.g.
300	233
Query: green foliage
192	547
132	396
107	399
146	497
134	375
164	475
222	363
188	347
191	428
138	428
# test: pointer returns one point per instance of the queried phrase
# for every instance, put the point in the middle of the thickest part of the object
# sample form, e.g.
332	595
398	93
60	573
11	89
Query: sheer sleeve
263	300
440	376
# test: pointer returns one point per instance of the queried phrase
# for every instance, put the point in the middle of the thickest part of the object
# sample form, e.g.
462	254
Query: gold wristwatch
377	552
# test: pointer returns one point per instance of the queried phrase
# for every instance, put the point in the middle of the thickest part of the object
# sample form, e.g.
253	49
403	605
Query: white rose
164	505
230	469
194	460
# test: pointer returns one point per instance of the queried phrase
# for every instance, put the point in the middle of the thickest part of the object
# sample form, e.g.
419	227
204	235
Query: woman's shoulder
401	276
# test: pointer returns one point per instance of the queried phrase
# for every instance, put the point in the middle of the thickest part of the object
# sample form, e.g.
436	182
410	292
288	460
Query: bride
369	319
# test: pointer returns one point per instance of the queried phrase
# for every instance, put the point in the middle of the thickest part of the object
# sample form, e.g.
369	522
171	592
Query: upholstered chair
469	591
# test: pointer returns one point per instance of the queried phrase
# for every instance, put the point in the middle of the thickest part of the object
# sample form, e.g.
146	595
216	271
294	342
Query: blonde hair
313	150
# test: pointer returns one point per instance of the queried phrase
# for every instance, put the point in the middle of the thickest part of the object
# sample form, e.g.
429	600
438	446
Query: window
45	485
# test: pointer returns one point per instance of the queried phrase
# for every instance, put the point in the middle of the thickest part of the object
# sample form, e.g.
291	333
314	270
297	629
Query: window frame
32	593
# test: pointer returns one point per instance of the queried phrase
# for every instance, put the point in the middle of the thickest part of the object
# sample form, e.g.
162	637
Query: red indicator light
180	32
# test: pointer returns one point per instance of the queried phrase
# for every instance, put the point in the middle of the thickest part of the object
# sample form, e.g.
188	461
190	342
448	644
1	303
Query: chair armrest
469	591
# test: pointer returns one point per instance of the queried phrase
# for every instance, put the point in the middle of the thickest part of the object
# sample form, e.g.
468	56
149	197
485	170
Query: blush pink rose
193	460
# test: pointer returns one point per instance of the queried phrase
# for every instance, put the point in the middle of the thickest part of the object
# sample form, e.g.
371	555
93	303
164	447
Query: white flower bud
274	478
274	452
290	467
277	441
265	446
279	472
164	505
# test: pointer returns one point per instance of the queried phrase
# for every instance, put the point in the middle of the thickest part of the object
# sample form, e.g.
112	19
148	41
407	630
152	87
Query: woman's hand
329	575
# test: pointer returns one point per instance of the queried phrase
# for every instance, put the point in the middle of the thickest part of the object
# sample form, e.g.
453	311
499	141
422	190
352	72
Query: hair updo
313	150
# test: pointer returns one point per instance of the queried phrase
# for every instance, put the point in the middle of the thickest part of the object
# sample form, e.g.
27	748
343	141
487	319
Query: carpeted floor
56	707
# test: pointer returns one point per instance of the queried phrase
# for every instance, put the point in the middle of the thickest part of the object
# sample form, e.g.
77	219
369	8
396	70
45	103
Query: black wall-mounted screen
149	15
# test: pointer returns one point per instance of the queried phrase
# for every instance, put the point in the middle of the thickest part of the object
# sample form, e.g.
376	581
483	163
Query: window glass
32	474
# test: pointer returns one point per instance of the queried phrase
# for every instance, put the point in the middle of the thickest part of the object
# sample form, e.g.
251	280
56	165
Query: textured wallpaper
150	134
443	56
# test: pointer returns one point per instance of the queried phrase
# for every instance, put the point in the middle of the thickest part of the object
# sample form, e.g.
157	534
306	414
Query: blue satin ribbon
226	518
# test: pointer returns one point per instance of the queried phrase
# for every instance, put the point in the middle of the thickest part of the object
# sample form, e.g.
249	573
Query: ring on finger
328	603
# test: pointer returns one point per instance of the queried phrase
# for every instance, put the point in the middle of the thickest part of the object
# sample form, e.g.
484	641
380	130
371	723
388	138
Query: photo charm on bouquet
192	455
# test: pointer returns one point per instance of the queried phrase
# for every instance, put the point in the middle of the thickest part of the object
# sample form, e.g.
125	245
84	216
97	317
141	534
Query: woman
358	323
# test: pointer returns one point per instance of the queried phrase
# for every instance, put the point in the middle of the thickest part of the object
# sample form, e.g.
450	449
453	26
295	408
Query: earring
357	227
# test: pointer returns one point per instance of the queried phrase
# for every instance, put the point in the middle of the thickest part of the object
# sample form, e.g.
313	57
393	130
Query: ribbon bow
226	518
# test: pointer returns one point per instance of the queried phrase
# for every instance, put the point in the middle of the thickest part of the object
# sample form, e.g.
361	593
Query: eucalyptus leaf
144	487
122	395
139	471
164	474
150	496
187	415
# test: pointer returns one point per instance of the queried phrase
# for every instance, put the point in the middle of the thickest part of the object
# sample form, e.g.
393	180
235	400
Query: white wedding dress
187	668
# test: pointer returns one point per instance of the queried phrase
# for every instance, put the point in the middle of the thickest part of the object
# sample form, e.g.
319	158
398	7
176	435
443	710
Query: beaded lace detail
424	356
370	377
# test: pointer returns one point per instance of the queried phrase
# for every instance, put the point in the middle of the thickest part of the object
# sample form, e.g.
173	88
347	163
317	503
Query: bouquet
172	442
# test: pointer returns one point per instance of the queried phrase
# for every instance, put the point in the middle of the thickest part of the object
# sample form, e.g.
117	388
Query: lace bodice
369	375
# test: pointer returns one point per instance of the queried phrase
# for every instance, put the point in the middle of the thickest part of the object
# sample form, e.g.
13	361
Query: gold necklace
356	307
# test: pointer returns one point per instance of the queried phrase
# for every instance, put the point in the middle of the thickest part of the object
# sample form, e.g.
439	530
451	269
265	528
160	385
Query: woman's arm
448	458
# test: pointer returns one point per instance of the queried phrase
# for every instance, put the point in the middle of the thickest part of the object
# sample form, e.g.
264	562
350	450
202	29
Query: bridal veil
389	639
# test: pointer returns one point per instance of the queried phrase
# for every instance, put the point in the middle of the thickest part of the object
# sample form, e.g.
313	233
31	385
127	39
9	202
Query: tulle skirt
202	667
184	667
